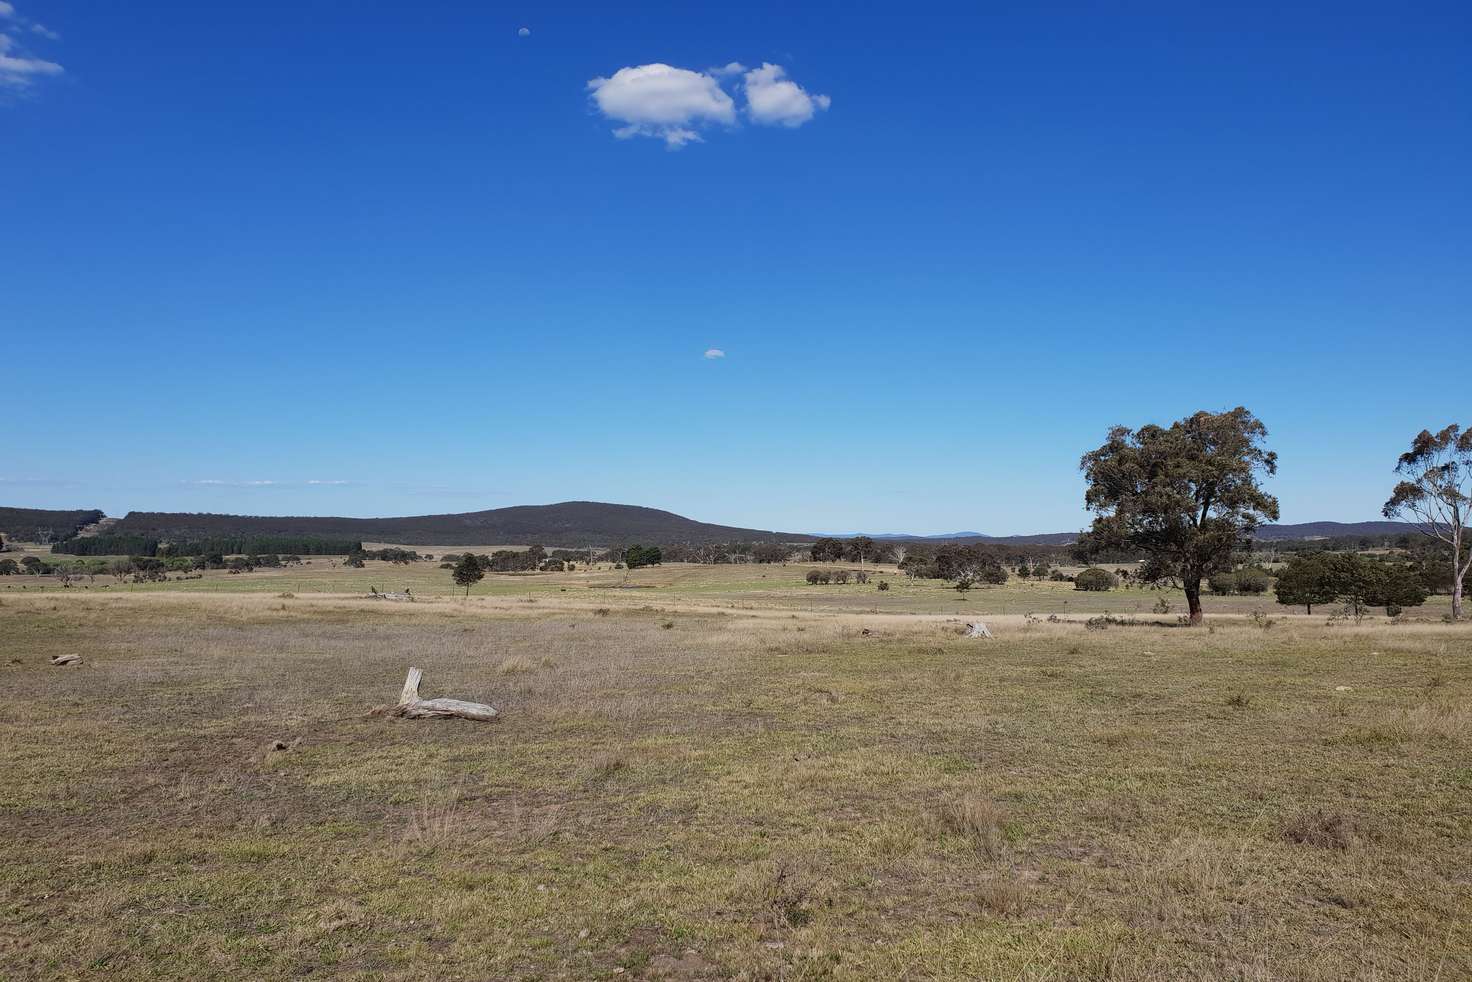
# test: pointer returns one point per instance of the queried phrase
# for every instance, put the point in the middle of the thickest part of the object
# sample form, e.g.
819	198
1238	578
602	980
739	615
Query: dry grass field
714	772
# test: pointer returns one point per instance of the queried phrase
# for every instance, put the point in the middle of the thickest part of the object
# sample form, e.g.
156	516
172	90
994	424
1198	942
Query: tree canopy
468	572
1186	495
1435	492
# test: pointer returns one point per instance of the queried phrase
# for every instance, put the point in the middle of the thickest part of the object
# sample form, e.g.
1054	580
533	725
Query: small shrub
1162	606
667	625
1095	580
1005	898
840	576
1239	700
601	612
883	586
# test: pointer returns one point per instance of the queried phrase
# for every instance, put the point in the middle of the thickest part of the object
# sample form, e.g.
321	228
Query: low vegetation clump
978	820
1095	580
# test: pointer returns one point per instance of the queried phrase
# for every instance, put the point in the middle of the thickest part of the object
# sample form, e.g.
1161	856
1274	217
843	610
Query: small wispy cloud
712	354
36	482
216	482
19	69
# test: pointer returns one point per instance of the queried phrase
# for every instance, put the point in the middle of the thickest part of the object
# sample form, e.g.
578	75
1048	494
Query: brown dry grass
761	793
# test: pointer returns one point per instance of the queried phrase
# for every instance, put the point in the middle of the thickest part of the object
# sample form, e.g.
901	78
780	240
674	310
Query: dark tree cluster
1359	582
502	560
957	563
137	545
859	549
636	556
45	525
719	553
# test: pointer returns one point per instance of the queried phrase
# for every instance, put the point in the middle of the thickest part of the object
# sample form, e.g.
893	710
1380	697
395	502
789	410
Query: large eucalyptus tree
1186	495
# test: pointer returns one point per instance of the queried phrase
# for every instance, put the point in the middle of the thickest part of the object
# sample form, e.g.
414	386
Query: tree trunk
1193	599
1457	596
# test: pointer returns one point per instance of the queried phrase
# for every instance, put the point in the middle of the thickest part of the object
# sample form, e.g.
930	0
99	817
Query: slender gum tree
1435	492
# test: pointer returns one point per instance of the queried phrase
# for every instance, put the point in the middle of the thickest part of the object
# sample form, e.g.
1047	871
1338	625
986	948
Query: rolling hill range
569	524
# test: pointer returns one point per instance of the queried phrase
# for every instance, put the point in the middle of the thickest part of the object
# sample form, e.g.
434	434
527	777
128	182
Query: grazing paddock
752	793
754	586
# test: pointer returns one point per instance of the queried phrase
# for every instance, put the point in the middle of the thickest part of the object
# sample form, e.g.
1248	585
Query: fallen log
412	707
61	661
976	629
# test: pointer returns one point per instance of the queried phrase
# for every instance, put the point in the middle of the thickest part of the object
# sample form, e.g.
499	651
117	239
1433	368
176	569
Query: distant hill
569	524
44	525
1331	530
1267	533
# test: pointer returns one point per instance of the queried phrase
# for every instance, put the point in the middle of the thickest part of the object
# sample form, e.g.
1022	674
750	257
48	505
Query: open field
686	586
723	776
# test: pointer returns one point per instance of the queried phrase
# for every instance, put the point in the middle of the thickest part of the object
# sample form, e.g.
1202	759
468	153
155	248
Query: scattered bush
883	585
1095	580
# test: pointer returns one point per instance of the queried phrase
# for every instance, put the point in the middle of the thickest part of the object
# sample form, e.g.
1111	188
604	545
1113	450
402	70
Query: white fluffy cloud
673	104
773	99
712	354
662	101
6	10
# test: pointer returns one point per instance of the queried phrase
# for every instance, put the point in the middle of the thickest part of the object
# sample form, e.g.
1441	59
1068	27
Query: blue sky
400	251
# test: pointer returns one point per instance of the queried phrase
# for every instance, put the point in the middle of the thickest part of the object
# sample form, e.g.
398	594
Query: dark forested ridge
568	524
1330	530
43	525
